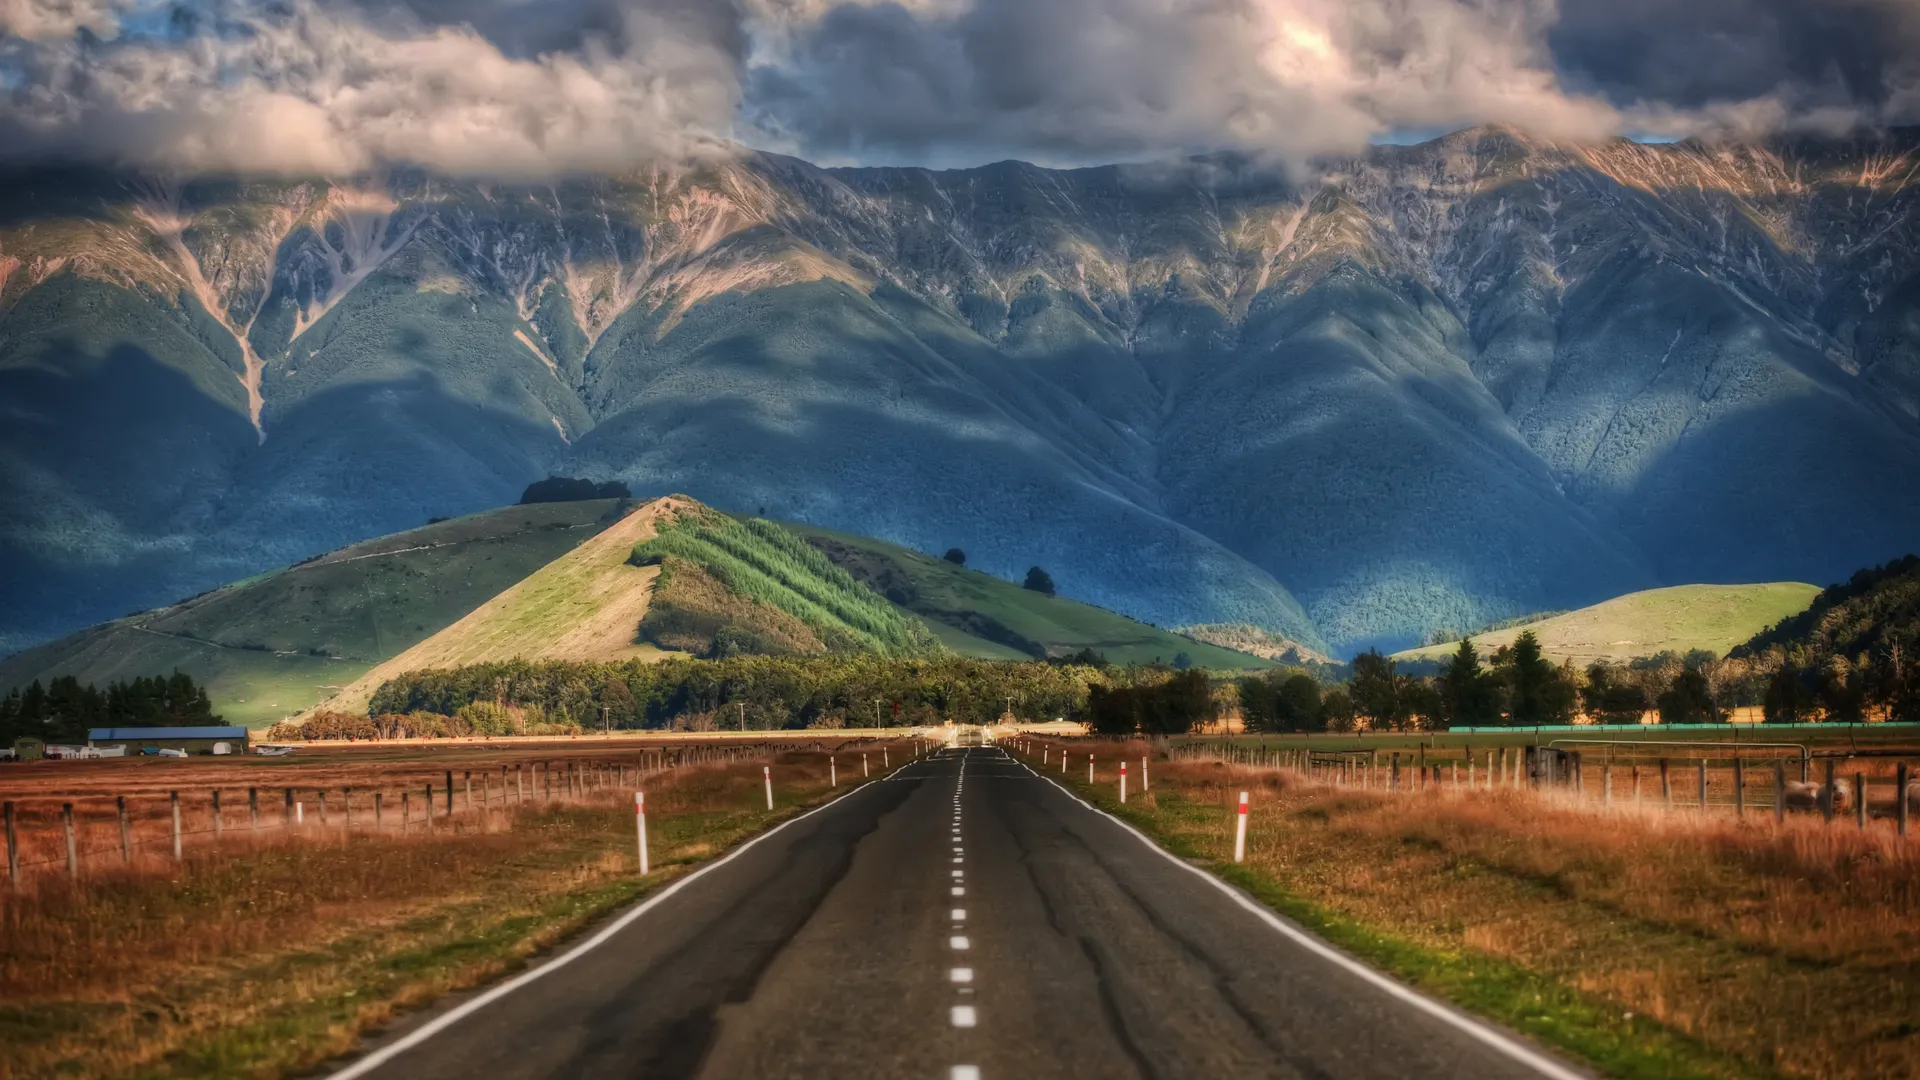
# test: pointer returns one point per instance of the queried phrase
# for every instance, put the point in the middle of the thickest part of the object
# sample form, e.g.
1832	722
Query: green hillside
775	594
977	614
279	642
1680	619
1873	611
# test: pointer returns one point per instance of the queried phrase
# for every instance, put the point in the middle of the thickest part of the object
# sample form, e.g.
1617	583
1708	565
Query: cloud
536	87
308	88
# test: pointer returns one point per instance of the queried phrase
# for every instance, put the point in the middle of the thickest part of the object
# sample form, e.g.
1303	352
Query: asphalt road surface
964	917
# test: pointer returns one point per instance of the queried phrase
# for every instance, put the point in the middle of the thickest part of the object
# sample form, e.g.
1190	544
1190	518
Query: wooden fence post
126	832
1779	791
1739	788
546	769
1860	800
406	810
66	825
1702	764
286	813
468	778
1899	802
12	846
1636	784
253	811
1393	775
218	824
173	797
430	807
519	784
1666	786
449	795
378	798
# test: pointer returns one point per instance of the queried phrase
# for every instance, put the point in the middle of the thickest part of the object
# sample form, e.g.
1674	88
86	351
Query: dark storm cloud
532	86
1693	54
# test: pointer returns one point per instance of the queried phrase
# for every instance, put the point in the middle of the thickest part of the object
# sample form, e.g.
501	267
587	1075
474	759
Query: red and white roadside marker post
640	823
885	762
1143	773
1240	832
833	771
766	774
1089	768
1123	783
863	766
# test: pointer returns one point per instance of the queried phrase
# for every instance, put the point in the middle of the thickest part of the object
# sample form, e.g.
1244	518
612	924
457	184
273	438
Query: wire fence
1777	780
71	835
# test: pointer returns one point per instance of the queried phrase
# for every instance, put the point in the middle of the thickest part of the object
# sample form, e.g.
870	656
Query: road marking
965	1072
959	891
959	873
1468	1025
453	1016
959	914
963	1016
957	942
960	975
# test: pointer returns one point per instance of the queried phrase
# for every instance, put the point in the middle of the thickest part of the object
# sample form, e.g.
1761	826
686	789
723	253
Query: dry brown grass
261	960
1792	949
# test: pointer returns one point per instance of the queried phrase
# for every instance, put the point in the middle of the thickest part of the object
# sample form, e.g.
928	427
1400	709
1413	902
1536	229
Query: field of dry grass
262	957
1648	943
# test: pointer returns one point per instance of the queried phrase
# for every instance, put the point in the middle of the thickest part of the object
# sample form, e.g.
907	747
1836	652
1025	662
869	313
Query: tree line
1519	686
63	709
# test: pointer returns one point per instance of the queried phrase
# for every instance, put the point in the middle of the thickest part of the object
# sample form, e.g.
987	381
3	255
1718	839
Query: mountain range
1426	387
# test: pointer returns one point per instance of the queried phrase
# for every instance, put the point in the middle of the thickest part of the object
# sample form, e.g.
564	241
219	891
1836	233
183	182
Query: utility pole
604	729
743	715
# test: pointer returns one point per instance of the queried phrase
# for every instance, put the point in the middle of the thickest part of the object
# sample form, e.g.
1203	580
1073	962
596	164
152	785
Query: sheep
1807	795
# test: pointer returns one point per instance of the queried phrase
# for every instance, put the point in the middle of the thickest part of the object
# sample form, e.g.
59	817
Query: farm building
194	740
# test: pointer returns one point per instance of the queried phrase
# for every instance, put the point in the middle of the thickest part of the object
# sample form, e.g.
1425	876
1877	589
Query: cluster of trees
572	489
476	718
65	708
1172	706
767	692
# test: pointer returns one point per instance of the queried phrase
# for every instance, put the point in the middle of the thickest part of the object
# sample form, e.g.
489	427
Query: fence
68	835
1848	785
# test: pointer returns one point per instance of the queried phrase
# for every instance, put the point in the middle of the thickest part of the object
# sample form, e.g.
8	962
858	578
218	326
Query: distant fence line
199	818
1657	783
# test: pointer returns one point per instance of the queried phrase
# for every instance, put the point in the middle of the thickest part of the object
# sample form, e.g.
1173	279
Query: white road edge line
453	1016
1493	1037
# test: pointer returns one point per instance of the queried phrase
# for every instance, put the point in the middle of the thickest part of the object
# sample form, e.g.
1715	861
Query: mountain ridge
1430	385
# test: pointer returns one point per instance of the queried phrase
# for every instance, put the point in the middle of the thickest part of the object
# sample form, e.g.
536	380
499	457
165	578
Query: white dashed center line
958	942
959	914
963	1016
960	975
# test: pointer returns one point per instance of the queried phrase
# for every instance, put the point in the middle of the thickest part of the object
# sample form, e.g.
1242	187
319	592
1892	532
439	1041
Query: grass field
264	959
1678	619
1647	945
279	642
977	614
585	605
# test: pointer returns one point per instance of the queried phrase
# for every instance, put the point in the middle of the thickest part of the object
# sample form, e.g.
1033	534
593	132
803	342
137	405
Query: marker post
1143	774
1123	782
1240	832
766	773
1089	768
640	823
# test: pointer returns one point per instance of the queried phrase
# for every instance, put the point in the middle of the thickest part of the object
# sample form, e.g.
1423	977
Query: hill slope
272	645
977	614
1678	619
1868	614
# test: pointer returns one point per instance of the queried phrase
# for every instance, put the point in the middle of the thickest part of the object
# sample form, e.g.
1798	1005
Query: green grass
279	642
760	561
1677	619
980	615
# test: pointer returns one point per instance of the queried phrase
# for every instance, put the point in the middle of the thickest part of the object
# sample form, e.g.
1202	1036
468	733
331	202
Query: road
963	917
